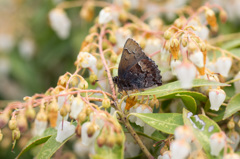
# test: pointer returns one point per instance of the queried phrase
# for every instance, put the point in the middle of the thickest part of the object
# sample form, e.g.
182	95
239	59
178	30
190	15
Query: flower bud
167	34
81	117
235	138
216	97
16	134
231	124
154	102
114	58
99	65
191	46
223	16
3	119
130	102
30	113
112	39
65	109
87	11
217	142
183	132
184	41
91	129
93	78
62	81
78	130
106	103
101	140
74	81
174	47
211	19
12	124
111	140
83	84
53	113
119	139
22	122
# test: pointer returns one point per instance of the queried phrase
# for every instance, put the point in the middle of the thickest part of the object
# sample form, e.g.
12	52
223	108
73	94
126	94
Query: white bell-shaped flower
27	48
152	45
197	59
122	34
60	23
237	83
133	118
81	150
86	140
166	155
186	73
64	131
175	64
216	97
98	119
105	16
86	59
235	138
217	142
132	149
183	132
76	107
142	109
180	149
39	127
223	65
231	156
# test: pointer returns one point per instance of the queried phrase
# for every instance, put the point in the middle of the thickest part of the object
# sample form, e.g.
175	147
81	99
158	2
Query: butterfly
136	70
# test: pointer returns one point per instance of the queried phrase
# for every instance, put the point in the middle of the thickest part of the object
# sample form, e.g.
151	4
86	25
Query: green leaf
173	86
50	147
189	102
202	132
37	140
166	122
233	106
231	44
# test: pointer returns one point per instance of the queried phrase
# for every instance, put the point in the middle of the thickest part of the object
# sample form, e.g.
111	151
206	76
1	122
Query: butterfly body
136	70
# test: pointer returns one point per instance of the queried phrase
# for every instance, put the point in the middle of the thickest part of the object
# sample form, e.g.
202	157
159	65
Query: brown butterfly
136	70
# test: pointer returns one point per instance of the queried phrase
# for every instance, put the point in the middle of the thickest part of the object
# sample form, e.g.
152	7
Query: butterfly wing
132	53
143	74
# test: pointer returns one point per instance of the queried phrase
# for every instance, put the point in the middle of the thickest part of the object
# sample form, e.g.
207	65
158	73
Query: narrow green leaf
233	106
166	122
231	44
177	86
50	147
202	132
189	102
37	140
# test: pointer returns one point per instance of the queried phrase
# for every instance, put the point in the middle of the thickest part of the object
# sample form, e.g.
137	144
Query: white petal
64	131
197	58
76	107
217	142
223	65
216	98
174	65
179	149
148	130
131	149
39	127
105	15
60	23
186	73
